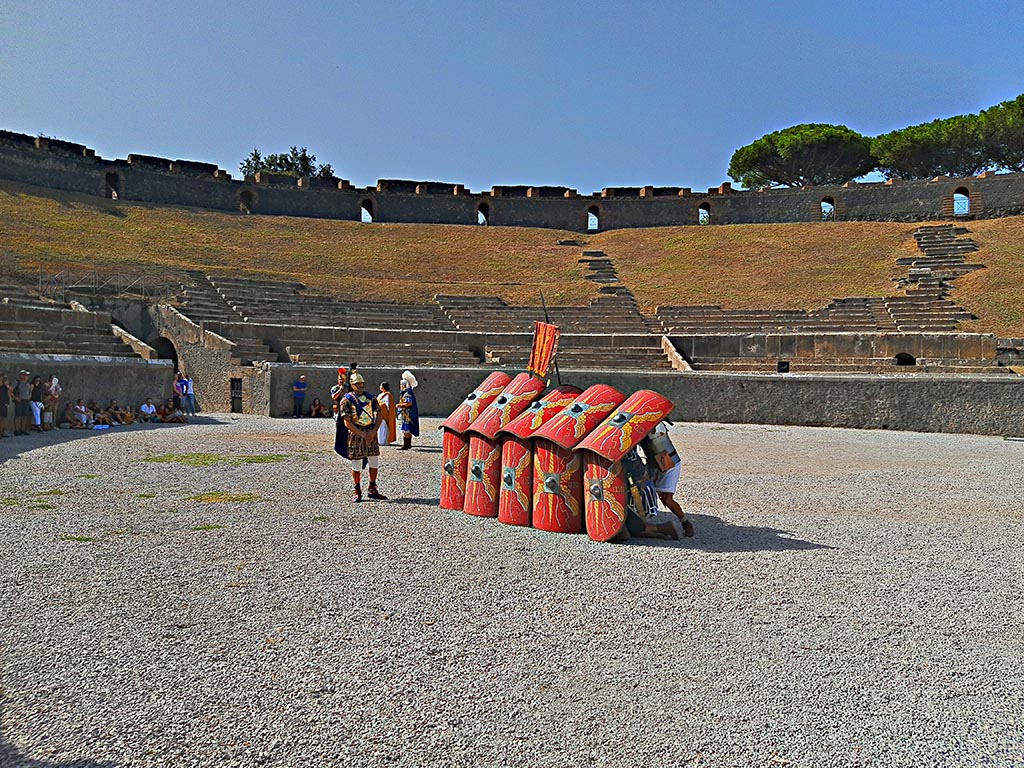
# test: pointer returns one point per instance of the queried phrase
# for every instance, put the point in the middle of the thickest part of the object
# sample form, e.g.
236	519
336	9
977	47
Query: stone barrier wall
74	167
129	381
914	402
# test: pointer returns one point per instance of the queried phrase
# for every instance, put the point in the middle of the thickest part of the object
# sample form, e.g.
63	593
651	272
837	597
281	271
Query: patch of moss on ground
207	527
81	539
145	496
188	459
89	476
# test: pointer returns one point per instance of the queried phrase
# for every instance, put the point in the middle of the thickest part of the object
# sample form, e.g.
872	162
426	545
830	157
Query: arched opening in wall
828	209
112	186
366	211
962	202
905	358
483	213
247	201
593	219
704	214
165	350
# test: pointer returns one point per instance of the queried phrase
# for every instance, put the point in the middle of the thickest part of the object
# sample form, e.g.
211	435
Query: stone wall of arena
72	167
129	381
915	402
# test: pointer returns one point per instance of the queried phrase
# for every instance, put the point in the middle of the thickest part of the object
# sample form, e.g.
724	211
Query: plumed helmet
409	379
356	378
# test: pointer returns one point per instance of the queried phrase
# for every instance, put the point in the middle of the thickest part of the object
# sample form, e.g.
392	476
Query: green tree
810	154
949	147
296	162
1002	134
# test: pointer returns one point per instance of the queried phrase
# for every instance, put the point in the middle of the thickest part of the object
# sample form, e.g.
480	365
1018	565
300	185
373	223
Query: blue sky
580	94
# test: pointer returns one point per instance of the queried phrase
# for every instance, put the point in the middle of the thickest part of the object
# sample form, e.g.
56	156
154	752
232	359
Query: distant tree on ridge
1002	133
810	154
296	162
951	146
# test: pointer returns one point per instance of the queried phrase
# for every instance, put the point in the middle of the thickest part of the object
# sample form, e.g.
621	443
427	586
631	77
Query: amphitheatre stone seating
283	303
612	313
45	331
21	296
843	352
842	315
587	352
201	302
377	353
335	346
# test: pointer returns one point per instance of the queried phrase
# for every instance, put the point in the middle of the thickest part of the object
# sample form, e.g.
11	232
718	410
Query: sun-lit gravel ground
850	599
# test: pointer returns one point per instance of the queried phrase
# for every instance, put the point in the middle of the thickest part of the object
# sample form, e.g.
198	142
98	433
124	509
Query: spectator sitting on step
147	411
99	416
81	416
170	415
317	410
114	413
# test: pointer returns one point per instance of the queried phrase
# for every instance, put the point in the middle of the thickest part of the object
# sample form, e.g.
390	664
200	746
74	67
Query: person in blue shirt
299	395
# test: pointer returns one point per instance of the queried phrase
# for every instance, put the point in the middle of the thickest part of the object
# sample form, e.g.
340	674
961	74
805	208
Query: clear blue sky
582	94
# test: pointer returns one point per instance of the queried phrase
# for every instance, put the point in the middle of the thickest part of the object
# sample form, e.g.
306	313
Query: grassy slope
771	266
781	266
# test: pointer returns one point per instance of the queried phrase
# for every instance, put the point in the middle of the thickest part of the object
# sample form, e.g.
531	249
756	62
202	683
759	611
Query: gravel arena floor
850	599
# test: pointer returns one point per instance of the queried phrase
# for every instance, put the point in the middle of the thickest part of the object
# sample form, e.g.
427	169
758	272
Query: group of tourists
365	423
183	397
89	415
31	404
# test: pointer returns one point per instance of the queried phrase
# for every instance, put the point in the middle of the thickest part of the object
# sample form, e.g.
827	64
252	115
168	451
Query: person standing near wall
36	403
6	393
386	433
22	392
408	410
188	400
179	390
299	387
51	402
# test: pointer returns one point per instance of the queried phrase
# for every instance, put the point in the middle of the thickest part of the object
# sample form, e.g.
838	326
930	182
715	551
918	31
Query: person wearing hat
408	411
359	417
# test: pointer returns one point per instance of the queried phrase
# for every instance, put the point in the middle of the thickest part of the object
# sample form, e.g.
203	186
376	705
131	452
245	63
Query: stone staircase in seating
260	301
608	334
754	340
33	330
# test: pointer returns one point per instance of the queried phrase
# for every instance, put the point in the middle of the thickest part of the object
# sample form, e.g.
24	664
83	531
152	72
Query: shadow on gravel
422	502
716	535
12	447
12	756
427	449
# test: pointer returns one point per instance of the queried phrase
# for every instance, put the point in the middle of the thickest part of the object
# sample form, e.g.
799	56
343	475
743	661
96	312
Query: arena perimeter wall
913	402
73	167
102	379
